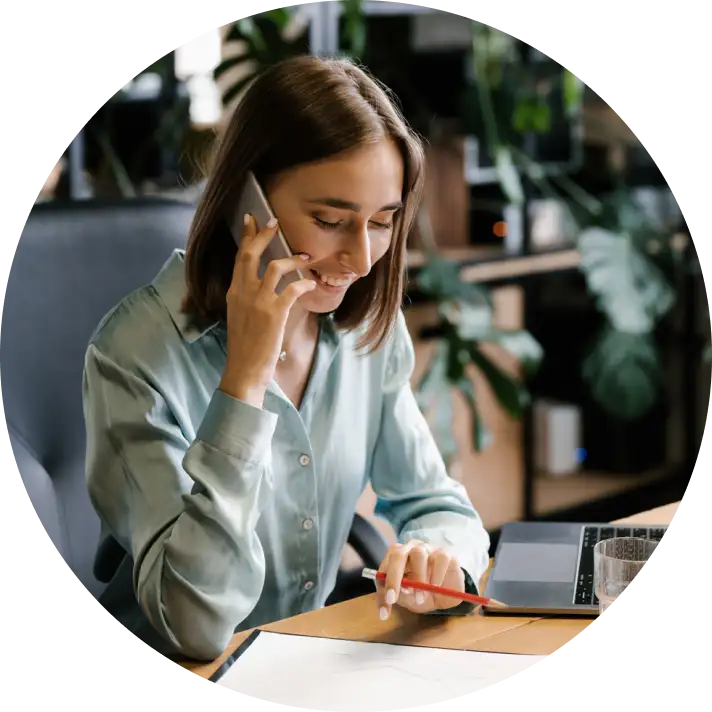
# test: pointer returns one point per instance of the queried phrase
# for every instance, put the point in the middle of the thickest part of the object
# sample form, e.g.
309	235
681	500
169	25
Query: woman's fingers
415	561
296	290
253	244
409	560
439	567
418	568
393	565
277	269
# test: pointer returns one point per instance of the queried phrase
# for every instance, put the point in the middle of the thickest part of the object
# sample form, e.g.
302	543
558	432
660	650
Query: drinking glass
618	563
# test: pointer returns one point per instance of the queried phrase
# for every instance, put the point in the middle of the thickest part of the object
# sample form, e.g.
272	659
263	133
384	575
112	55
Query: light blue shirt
235	516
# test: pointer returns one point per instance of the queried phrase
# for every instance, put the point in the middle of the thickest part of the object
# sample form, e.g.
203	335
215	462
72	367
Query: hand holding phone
256	311
253	202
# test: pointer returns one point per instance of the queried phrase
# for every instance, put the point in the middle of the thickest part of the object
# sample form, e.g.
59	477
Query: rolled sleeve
415	493
186	512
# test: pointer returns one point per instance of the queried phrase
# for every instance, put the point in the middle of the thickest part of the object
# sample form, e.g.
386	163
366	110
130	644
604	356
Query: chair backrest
73	263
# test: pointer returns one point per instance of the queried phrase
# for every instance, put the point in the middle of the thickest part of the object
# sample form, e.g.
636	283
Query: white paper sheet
350	676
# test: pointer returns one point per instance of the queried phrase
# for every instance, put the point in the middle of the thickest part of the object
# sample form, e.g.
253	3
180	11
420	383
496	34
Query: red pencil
450	592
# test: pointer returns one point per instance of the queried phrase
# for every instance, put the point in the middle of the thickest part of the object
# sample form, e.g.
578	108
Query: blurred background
554	295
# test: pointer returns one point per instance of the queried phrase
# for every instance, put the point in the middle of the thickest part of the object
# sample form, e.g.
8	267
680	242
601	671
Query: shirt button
309	585
308	524
304	460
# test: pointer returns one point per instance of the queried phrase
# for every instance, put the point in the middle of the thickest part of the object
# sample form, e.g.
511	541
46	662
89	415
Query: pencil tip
492	603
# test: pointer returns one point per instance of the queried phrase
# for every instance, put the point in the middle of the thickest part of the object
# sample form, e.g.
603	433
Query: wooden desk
358	620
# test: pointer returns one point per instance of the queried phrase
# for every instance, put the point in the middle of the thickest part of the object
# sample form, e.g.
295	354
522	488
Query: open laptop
546	568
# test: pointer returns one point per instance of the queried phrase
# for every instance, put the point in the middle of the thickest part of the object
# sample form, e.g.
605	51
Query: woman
232	429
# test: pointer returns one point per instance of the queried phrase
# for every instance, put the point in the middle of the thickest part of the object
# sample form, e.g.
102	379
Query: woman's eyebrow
341	204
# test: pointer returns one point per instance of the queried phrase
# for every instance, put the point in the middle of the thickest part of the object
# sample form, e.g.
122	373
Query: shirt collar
171	288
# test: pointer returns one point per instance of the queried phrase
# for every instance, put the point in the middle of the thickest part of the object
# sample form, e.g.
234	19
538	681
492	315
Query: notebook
347	675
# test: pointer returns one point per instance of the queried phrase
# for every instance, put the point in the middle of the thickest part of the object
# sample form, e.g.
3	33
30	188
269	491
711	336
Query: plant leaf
248	30
623	372
628	287
433	380
237	87
231	62
510	394
442	426
474	321
481	435
457	357
433	389
280	16
523	346
572	92
441	279
508	174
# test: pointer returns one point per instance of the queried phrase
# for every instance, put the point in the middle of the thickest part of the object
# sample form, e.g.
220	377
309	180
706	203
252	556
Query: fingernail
305	256
406	591
383	613
272	223
247	219
390	597
420	598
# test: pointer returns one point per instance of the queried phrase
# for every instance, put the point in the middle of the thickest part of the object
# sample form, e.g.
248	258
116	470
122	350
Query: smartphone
254	202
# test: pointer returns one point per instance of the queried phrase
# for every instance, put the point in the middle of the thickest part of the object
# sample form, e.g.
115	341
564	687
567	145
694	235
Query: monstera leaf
263	40
623	372
630	289
623	369
523	346
474	322
440	279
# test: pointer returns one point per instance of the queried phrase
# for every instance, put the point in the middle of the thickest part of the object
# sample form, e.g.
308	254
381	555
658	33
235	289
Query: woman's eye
326	224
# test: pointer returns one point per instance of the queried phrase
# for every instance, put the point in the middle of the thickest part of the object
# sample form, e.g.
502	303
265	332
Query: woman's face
340	212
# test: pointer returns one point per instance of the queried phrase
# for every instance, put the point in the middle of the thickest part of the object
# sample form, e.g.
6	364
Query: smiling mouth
329	281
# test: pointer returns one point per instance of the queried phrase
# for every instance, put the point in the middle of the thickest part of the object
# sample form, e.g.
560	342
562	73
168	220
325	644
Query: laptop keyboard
584	594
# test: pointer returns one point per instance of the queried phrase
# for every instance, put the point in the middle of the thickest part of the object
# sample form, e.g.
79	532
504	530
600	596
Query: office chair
75	261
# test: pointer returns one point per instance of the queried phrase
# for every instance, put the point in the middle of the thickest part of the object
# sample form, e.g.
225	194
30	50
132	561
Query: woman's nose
358	252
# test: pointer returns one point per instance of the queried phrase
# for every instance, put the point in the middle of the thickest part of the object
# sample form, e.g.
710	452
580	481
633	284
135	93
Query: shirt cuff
238	428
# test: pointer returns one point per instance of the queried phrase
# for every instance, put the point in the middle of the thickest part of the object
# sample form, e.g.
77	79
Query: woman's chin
320	303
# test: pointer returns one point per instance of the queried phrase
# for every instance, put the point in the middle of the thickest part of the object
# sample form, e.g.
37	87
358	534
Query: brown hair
300	111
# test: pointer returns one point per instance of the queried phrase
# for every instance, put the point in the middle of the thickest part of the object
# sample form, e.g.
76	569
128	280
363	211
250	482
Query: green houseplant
466	324
623	254
275	35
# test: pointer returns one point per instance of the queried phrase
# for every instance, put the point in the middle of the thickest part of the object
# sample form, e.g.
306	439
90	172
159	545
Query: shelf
552	494
492	264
